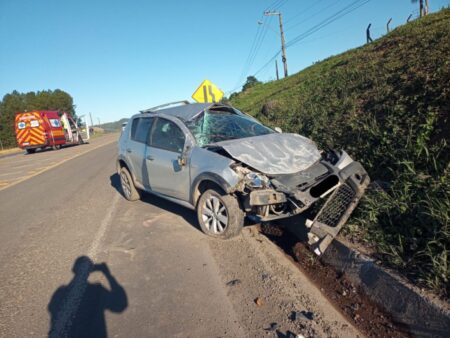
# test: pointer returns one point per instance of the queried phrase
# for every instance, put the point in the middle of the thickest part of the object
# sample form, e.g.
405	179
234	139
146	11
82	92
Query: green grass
387	104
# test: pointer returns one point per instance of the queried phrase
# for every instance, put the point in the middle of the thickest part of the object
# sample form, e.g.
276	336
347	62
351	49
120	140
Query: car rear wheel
219	215
31	151
129	190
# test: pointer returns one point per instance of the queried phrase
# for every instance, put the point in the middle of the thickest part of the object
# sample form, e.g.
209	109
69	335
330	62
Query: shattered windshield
216	126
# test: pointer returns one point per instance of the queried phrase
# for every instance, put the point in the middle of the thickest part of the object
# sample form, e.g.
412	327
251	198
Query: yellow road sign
207	92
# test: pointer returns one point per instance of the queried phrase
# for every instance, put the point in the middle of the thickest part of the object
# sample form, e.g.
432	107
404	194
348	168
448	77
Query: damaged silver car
226	165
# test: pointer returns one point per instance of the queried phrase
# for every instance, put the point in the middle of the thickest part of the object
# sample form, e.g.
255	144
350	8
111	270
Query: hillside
387	104
113	126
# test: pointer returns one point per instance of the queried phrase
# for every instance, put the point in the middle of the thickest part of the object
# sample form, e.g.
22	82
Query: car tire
126	182
31	151
219	215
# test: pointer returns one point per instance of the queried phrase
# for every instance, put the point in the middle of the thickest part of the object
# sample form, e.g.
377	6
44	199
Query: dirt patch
349	299
270	296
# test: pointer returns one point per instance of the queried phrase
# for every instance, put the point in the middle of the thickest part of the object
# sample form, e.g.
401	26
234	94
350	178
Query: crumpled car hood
274	154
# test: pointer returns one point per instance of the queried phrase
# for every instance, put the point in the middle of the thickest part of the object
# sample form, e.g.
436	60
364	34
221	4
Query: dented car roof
184	112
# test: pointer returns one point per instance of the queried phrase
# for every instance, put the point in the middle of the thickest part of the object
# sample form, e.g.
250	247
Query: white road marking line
72	302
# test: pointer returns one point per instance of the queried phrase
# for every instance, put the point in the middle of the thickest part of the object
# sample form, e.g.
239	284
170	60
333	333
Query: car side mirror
278	130
182	158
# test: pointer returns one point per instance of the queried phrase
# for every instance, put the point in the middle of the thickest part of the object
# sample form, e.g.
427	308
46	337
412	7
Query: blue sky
117	57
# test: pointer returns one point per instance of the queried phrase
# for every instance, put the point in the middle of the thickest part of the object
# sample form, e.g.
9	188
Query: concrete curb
407	306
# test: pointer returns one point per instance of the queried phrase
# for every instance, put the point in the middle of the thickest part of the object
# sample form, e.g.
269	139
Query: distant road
18	167
78	260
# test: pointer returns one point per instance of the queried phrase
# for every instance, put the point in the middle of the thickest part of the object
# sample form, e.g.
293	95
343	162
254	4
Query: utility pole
276	69
283	47
90	115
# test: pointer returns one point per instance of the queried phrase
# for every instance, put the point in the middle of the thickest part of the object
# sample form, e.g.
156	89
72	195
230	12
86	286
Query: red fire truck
42	129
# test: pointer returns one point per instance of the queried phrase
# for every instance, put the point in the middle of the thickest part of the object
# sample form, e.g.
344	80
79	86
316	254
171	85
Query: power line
312	16
258	40
332	18
268	63
302	12
339	14
275	5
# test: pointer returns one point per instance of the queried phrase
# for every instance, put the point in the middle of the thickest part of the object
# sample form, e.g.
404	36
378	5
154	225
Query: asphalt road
78	260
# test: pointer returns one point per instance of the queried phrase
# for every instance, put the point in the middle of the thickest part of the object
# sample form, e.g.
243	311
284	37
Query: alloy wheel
125	184
215	215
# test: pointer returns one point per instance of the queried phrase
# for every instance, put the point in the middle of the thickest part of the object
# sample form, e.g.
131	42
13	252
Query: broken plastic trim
334	214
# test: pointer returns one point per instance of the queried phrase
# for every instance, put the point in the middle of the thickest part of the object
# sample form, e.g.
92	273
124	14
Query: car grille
336	206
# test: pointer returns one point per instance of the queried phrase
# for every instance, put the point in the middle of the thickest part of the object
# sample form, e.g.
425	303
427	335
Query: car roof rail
152	109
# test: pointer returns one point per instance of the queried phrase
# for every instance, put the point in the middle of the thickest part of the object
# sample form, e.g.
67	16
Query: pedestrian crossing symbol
207	92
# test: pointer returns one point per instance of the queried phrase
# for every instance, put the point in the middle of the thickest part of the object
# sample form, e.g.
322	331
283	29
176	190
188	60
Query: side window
167	135
55	123
134	125
140	128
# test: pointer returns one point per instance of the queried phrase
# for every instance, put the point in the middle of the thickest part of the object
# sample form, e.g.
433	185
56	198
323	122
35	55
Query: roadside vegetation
387	104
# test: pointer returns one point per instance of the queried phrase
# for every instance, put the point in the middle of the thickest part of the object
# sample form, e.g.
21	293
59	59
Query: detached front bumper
337	209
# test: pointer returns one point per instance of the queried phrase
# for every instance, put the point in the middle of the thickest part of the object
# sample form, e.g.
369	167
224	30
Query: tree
251	81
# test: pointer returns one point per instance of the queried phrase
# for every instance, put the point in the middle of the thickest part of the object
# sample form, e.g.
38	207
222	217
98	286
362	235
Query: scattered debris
345	296
259	301
234	282
302	315
254	231
273	327
293	335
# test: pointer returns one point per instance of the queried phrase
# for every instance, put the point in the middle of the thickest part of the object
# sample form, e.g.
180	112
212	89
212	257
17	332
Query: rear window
140	128
34	123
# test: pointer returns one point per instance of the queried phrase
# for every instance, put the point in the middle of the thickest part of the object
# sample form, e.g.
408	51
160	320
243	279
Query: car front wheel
219	215
129	190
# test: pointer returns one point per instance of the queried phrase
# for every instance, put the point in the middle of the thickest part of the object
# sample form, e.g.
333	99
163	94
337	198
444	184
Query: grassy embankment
387	104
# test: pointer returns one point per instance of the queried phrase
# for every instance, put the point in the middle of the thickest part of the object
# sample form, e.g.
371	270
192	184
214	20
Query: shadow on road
78	308
188	215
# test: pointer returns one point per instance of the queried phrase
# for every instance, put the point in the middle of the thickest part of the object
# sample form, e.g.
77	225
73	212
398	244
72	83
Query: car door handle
149	158
128	150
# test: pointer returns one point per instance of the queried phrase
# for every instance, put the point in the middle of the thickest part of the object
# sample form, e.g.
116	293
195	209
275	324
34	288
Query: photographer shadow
78	308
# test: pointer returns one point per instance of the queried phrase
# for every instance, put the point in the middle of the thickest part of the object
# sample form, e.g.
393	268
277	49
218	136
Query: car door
136	147
165	146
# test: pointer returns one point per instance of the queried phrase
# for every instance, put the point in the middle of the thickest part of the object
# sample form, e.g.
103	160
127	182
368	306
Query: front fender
210	166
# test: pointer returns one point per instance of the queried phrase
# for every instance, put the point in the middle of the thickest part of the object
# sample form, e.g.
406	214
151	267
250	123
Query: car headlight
255	180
